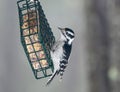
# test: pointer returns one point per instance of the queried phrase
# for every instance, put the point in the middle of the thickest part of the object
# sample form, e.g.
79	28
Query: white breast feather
57	55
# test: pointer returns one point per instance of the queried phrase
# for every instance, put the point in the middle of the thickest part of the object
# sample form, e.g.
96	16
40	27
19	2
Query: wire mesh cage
36	37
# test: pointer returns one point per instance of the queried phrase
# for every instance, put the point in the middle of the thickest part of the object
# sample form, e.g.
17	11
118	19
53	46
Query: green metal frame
45	35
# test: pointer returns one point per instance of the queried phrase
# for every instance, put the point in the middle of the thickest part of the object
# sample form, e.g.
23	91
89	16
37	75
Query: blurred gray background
94	63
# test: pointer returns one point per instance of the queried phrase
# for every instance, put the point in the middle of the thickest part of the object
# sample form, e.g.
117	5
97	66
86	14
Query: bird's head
67	35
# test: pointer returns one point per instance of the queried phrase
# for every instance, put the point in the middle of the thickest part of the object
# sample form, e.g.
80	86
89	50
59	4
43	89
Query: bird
61	51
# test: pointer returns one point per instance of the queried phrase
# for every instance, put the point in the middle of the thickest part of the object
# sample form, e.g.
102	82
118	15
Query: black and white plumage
60	52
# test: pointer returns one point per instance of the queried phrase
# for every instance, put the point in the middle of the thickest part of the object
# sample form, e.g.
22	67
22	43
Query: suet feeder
36	37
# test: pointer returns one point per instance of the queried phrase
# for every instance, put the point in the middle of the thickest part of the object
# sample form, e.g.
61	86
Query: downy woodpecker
60	52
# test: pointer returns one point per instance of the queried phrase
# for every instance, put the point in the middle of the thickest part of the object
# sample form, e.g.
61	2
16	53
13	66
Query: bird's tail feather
51	78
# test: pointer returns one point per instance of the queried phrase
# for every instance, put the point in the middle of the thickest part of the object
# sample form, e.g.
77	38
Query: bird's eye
67	33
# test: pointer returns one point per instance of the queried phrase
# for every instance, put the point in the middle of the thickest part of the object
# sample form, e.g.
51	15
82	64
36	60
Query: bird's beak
62	30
